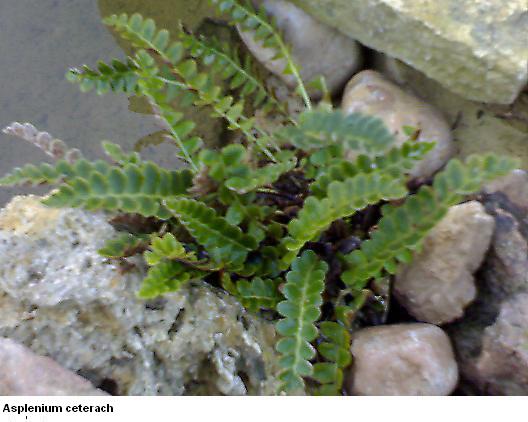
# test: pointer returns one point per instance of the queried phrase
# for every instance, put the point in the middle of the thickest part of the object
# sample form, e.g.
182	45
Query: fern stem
283	49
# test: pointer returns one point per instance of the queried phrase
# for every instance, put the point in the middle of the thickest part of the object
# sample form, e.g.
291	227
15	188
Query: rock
439	283
402	360
490	341
61	299
317	48
476	127
514	187
23	373
501	368
370	93
475	48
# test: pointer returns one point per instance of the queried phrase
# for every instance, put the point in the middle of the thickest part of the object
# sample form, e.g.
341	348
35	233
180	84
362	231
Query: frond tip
303	290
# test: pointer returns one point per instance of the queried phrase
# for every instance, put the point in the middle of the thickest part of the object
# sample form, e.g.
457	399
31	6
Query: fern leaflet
226	244
343	199
303	290
125	245
402	229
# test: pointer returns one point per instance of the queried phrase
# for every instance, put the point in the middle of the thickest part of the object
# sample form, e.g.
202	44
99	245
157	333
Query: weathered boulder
438	285
402	360
319	49
24	373
370	93
476	48
62	300
490	341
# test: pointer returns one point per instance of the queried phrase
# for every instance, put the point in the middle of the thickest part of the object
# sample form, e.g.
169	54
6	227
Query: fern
256	222
336	350
259	294
303	289
223	60
125	245
143	34
55	148
52	174
116	153
133	189
321	128
259	177
225	243
117	76
248	19
402	229
343	199
166	277
396	163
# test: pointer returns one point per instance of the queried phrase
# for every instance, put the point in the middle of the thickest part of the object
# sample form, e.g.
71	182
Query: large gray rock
402	360
62	300
490	341
438	285
23	373
476	48
319	49
370	93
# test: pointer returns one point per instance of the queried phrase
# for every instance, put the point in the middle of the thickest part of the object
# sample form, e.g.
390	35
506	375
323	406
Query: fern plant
263	216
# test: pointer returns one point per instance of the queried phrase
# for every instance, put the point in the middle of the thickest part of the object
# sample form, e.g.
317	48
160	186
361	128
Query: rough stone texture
490	341
402	360
370	93
23	373
476	127
62	300
316	47
502	365
439	283
476	48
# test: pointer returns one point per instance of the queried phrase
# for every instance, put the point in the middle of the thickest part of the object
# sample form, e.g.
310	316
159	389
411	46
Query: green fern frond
226	244
223	60
259	293
167	247
396	163
301	309
52	174
166	277
117	76
125	245
322	128
402	229
134	189
343	199
143	34
259	177
335	349
249	19
116	153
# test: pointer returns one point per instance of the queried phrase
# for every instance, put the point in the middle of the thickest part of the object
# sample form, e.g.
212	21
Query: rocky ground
461	324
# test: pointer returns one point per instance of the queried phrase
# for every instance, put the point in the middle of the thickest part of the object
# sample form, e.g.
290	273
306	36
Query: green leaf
226	244
133	188
322	128
303	290
259	293
166	277
403	228
125	245
343	199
